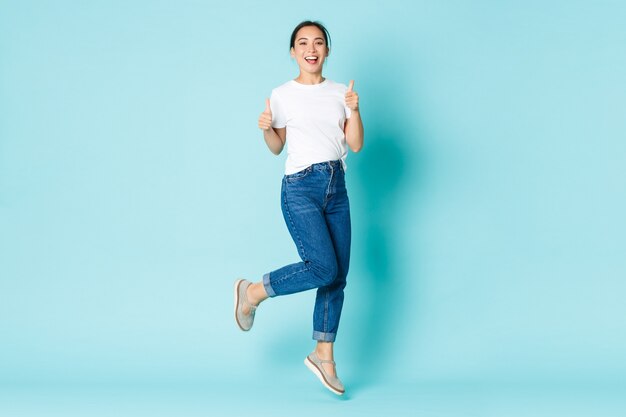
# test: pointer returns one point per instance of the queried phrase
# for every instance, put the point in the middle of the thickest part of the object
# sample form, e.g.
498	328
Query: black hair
305	23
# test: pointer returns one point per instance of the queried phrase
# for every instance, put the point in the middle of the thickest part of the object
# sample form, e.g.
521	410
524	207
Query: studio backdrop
488	201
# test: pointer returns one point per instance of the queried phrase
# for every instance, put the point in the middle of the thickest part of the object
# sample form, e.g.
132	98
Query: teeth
310	57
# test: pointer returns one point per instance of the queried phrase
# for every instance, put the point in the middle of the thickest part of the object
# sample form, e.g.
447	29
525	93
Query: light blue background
488	202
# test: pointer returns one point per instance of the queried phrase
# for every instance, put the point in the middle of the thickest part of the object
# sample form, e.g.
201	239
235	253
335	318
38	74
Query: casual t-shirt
314	116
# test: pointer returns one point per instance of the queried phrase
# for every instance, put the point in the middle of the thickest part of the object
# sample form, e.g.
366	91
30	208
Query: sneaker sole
313	368
237	284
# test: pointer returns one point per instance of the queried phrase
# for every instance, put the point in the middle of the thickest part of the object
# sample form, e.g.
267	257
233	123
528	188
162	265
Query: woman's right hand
265	120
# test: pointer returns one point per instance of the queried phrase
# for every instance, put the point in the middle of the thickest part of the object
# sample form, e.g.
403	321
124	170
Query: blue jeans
317	212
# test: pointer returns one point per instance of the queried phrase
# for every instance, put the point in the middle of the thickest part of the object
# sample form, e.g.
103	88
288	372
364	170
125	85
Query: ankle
256	293
324	350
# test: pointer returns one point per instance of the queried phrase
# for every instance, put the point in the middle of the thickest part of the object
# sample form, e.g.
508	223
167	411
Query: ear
327	51
292	52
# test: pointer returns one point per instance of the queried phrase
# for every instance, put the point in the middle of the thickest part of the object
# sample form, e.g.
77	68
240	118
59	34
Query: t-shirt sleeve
348	111
279	119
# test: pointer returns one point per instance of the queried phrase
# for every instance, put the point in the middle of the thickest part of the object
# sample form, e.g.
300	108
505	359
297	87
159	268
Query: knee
326	272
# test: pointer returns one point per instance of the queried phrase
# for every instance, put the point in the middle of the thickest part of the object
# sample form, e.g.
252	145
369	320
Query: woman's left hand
352	98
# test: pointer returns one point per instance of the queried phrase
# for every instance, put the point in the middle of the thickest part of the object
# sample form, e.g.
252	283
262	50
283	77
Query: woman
318	119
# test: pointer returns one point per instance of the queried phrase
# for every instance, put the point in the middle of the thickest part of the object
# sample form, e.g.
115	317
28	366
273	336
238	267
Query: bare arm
353	128
275	139
354	131
274	136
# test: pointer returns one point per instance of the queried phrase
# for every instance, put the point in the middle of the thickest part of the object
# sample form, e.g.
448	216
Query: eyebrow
308	39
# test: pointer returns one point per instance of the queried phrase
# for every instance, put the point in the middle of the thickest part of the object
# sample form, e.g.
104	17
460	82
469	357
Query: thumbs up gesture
265	120
352	98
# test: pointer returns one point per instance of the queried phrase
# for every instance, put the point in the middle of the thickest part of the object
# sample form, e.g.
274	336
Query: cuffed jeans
317	212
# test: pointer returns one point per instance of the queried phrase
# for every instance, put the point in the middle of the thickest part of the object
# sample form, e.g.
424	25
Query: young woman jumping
319	120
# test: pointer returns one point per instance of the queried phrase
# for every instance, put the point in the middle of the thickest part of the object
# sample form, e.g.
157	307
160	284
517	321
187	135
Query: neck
309	78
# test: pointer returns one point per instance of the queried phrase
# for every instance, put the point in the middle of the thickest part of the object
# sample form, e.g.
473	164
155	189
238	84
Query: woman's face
310	49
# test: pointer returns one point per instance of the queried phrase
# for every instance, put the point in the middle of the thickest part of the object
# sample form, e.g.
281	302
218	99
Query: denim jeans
317	212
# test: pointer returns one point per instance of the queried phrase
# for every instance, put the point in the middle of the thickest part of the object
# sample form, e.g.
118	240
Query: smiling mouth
311	59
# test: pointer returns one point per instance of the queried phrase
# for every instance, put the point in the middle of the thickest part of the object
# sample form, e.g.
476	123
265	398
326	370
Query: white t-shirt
314	116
